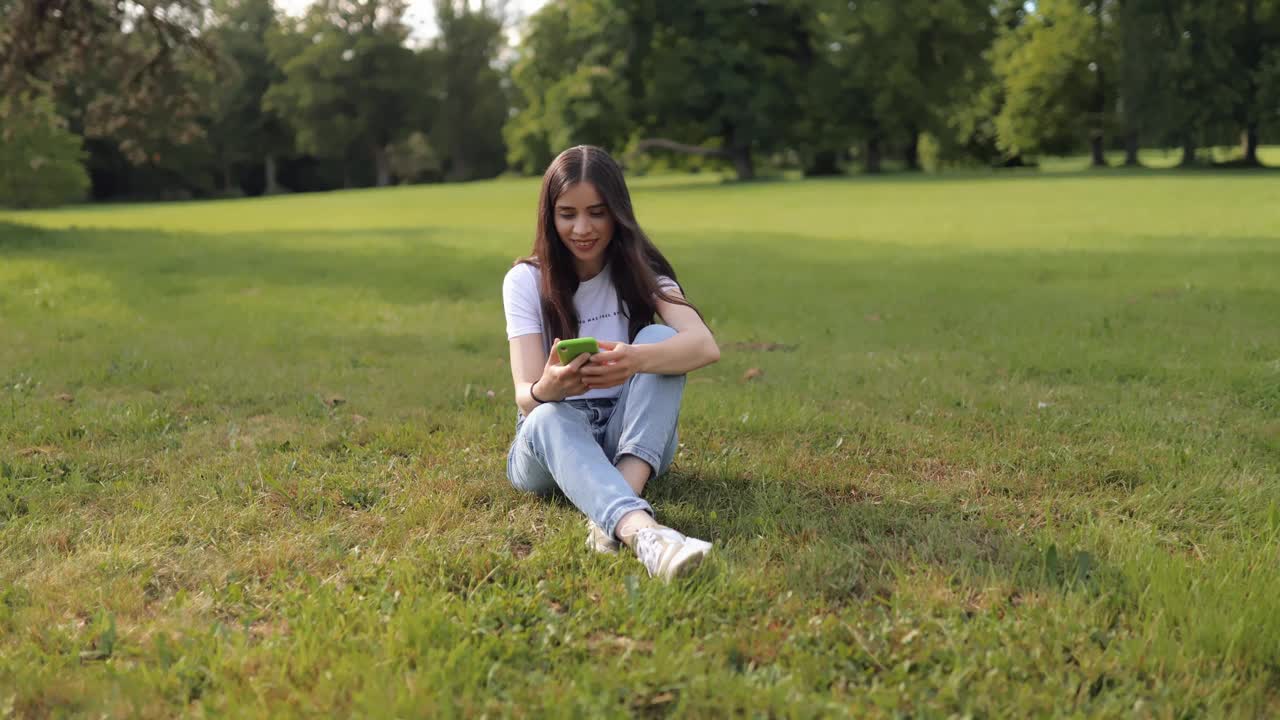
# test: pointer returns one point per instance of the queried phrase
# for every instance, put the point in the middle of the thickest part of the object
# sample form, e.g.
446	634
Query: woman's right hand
560	381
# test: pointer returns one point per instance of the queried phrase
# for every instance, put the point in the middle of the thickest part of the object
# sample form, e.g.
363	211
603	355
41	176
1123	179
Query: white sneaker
667	554
598	540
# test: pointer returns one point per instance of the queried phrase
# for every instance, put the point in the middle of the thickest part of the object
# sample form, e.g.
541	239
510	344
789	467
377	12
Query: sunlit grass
1019	454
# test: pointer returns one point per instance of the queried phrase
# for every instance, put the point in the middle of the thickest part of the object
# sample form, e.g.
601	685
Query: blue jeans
573	445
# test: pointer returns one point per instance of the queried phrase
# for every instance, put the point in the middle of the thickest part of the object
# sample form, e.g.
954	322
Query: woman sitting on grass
599	427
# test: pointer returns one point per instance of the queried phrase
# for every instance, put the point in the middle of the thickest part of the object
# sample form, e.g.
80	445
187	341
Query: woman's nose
580	226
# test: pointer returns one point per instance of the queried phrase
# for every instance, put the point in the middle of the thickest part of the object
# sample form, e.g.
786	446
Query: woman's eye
598	214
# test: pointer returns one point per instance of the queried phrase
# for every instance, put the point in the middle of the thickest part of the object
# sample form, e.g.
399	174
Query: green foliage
118	67
473	102
1268	79
571	83
1177	82
1257	55
723	69
241	128
897	69
41	161
414	160
349	85
1052	68
197	97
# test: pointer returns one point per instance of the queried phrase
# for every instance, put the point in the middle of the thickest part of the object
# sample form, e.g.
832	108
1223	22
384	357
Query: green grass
1024	458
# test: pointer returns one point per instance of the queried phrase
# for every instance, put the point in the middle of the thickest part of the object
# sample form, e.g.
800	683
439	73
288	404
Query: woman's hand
614	365
560	381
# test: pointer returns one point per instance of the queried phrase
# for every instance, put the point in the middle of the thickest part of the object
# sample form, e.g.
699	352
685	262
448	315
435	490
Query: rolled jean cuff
619	509
654	460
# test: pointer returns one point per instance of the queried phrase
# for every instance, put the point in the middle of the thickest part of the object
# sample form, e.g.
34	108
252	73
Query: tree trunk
269	171
1099	158
1250	55
1098	135
871	163
1188	152
742	163
1131	149
1249	145
824	162
1015	161
911	153
458	167
739	146
226	176
383	165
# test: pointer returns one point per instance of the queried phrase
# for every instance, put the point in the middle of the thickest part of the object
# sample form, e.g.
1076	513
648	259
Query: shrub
41	161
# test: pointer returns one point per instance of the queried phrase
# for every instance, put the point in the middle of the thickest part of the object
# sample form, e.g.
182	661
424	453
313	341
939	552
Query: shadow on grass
827	542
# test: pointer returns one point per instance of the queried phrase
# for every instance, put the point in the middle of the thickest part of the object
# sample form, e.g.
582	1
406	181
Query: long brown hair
634	262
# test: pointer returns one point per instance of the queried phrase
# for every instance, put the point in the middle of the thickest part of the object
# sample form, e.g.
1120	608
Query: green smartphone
570	349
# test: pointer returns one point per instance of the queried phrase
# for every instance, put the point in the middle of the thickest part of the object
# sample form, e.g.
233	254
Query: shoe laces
653	543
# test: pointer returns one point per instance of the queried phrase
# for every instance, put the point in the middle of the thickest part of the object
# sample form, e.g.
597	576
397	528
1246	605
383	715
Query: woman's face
585	226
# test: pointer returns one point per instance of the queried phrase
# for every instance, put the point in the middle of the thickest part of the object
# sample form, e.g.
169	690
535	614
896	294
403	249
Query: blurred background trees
185	98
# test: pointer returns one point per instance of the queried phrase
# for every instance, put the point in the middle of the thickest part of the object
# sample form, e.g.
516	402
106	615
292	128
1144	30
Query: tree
893	69
720	70
414	160
557	108
967	131
1139	42
41	162
1055	71
468	129
115	64
349	85
239	126
1254	36
1269	91
1175	62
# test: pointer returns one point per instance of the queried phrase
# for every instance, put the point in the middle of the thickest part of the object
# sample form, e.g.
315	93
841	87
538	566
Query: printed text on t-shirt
599	317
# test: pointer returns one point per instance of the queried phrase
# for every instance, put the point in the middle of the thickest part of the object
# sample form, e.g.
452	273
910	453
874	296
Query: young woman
600	427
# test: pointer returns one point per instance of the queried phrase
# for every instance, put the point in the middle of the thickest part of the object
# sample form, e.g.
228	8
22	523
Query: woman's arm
526	368
692	347
529	367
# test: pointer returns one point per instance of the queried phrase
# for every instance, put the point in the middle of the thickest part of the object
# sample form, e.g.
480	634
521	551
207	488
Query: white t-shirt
600	311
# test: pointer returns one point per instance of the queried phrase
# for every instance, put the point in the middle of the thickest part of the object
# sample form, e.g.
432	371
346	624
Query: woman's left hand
614	365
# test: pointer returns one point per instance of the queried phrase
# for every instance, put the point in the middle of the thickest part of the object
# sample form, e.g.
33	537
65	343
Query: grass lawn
1019	455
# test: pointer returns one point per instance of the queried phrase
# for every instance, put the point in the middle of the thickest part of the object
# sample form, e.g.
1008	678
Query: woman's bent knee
548	414
650	334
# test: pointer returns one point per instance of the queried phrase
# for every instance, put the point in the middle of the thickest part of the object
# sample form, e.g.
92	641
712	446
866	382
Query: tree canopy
197	97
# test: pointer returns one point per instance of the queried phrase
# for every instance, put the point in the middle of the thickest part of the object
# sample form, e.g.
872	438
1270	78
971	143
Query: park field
1013	449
